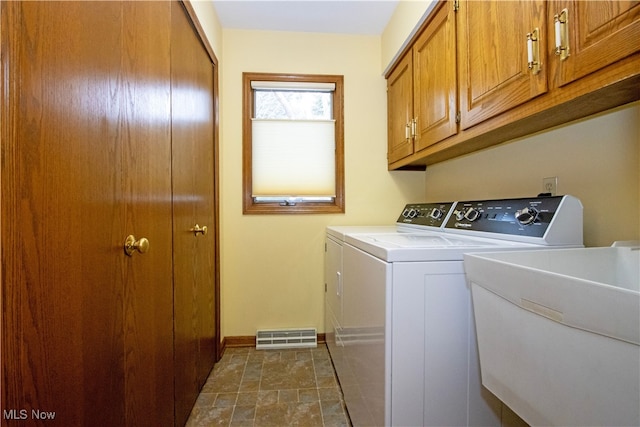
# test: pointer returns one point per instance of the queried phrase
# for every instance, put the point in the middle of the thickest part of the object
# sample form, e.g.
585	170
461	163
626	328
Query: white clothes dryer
399	321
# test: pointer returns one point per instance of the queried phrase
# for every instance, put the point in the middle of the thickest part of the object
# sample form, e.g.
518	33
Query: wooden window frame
249	206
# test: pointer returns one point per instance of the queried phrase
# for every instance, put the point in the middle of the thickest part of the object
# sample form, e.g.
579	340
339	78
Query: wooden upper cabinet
599	33
509	82
492	47
400	110
435	80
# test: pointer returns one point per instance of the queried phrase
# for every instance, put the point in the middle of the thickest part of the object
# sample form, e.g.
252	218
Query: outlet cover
550	185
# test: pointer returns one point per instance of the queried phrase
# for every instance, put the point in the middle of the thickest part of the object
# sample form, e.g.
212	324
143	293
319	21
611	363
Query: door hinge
458	117
456	5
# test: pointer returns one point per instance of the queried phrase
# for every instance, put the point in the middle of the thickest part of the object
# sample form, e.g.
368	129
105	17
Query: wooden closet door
145	131
193	203
62	212
86	330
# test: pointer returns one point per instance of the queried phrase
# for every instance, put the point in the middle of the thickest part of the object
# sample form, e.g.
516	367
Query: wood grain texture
400	110
604	74
600	34
435	80
194	258
494	76
58	299
145	177
86	331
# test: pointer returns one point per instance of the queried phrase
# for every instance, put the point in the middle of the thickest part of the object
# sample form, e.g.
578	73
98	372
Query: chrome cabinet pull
131	245
197	229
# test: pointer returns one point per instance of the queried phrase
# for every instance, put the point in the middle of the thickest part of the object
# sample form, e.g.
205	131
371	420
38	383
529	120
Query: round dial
459	215
472	214
526	216
436	213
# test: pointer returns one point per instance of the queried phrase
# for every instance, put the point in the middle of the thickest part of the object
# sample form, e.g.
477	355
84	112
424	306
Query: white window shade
293	158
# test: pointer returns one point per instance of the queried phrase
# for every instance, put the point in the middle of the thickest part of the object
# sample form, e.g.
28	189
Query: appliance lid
427	246
425	240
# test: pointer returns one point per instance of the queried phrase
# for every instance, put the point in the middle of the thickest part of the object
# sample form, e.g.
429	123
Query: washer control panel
525	217
427	214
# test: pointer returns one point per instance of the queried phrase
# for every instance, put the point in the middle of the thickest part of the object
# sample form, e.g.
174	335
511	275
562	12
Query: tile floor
250	387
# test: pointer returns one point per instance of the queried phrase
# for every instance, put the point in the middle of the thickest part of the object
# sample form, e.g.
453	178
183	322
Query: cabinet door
600	33
400	110
193	204
435	80
492	44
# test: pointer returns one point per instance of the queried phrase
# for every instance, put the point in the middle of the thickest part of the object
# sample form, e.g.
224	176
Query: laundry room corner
272	265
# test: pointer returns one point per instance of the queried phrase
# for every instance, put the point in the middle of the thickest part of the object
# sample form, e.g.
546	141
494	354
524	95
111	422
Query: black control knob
412	213
436	213
527	216
472	214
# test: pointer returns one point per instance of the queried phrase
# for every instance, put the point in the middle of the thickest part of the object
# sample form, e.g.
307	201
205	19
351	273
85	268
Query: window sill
299	208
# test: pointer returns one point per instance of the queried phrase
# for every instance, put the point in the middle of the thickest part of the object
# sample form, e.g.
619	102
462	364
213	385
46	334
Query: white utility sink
559	333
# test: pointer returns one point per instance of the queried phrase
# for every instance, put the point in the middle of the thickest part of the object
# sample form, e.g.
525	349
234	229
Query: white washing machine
399	322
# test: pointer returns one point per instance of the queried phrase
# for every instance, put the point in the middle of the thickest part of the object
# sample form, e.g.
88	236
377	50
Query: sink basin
559	333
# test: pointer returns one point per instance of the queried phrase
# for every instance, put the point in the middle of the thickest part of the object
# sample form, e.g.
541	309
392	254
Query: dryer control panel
426	214
523	217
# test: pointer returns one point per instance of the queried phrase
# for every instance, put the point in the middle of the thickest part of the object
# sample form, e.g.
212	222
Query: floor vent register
267	339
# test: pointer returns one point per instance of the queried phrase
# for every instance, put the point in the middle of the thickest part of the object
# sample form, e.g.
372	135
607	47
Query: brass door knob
131	245
197	229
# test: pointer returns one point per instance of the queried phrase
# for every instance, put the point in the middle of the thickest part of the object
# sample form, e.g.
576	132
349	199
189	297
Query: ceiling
368	17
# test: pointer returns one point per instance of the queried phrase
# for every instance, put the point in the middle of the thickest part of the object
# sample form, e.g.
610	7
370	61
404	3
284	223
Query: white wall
595	159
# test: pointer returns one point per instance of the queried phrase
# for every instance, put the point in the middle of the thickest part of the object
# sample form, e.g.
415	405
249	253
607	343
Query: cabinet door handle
533	51
131	245
414	126
561	22
407	132
339	287
197	229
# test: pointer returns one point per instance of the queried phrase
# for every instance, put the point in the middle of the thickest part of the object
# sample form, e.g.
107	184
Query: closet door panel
62	330
86	330
145	128
204	135
193	203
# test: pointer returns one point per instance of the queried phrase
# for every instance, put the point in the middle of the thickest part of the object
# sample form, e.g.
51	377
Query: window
293	132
